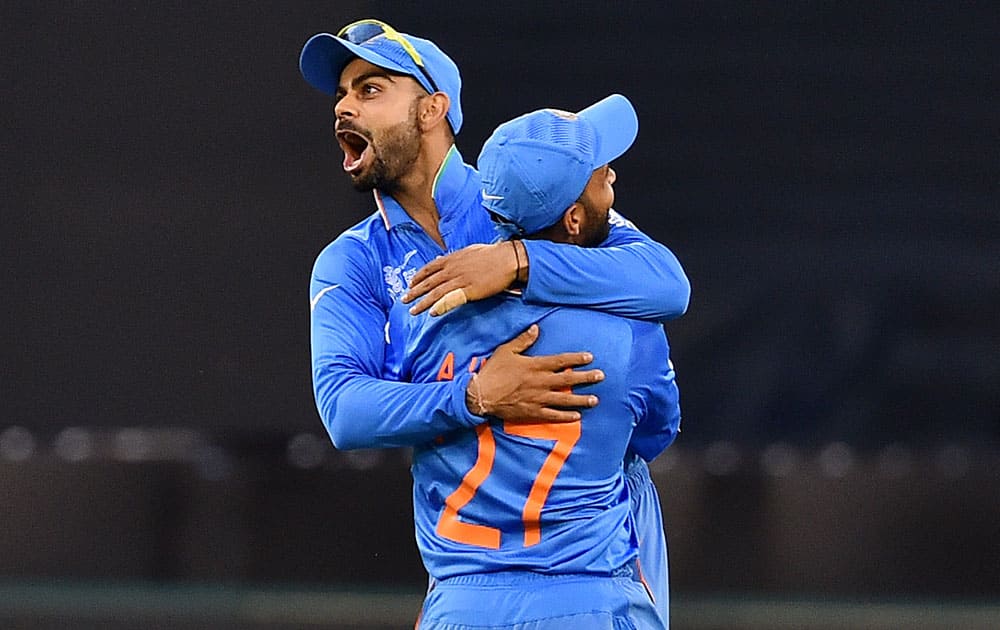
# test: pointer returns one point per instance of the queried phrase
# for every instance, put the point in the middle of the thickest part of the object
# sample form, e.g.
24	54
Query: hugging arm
347	330
361	409
630	274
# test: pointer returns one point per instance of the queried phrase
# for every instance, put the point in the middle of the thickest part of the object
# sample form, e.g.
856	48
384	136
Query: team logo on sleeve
397	279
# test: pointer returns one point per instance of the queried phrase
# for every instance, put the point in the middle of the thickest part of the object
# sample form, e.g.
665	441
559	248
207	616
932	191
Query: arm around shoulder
630	274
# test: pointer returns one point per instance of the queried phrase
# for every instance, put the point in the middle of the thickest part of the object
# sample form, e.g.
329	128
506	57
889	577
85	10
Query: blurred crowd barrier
168	505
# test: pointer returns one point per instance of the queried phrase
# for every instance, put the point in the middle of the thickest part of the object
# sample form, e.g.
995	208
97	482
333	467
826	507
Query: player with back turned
529	525
397	109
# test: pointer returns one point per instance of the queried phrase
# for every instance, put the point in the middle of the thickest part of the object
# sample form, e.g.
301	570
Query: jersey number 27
565	436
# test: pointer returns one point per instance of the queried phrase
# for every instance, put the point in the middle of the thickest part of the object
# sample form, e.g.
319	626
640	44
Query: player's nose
345	107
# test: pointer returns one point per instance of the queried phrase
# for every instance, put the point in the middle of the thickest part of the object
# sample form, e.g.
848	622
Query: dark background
826	172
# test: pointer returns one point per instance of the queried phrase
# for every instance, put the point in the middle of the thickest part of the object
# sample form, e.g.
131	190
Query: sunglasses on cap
364	30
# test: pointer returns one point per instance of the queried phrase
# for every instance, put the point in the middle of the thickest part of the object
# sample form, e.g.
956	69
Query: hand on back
520	388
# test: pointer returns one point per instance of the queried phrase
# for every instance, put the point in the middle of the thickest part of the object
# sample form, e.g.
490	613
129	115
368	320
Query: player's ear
572	219
433	110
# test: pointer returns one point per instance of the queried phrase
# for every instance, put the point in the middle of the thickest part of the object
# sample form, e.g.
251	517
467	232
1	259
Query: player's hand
472	273
519	388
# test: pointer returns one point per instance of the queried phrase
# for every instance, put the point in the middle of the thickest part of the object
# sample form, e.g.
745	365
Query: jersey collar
451	179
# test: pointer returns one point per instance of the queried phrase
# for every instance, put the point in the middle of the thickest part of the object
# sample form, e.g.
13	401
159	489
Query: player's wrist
521	261
474	400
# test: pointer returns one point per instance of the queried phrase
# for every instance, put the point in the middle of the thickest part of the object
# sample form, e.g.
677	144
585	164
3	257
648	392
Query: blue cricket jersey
357	315
546	497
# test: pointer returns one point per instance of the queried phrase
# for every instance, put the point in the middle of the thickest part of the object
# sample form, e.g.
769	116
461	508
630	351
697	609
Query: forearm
361	411
641	279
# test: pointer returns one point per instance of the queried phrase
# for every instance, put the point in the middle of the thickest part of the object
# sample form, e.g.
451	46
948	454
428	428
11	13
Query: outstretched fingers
563	361
570	400
419	283
546	414
567	379
434	297
522	342
450	300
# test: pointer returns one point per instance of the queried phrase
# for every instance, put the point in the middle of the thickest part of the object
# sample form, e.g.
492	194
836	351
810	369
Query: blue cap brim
617	126
324	57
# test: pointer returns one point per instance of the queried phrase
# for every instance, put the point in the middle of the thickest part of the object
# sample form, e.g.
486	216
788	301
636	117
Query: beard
597	227
395	154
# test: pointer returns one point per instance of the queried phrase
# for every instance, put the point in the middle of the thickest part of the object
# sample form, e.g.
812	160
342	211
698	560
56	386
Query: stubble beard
398	150
597	228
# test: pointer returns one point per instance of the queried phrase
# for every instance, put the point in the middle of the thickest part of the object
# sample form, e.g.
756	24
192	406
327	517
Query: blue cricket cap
324	57
535	166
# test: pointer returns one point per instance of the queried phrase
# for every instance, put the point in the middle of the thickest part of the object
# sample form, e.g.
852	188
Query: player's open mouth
355	148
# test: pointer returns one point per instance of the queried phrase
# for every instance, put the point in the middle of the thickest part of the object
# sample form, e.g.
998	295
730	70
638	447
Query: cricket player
397	109
529	525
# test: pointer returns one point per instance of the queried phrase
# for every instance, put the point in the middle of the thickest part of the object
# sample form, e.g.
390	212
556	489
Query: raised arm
629	274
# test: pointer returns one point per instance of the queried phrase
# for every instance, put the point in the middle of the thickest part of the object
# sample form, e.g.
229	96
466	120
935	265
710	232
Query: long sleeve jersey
544	497
358	281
